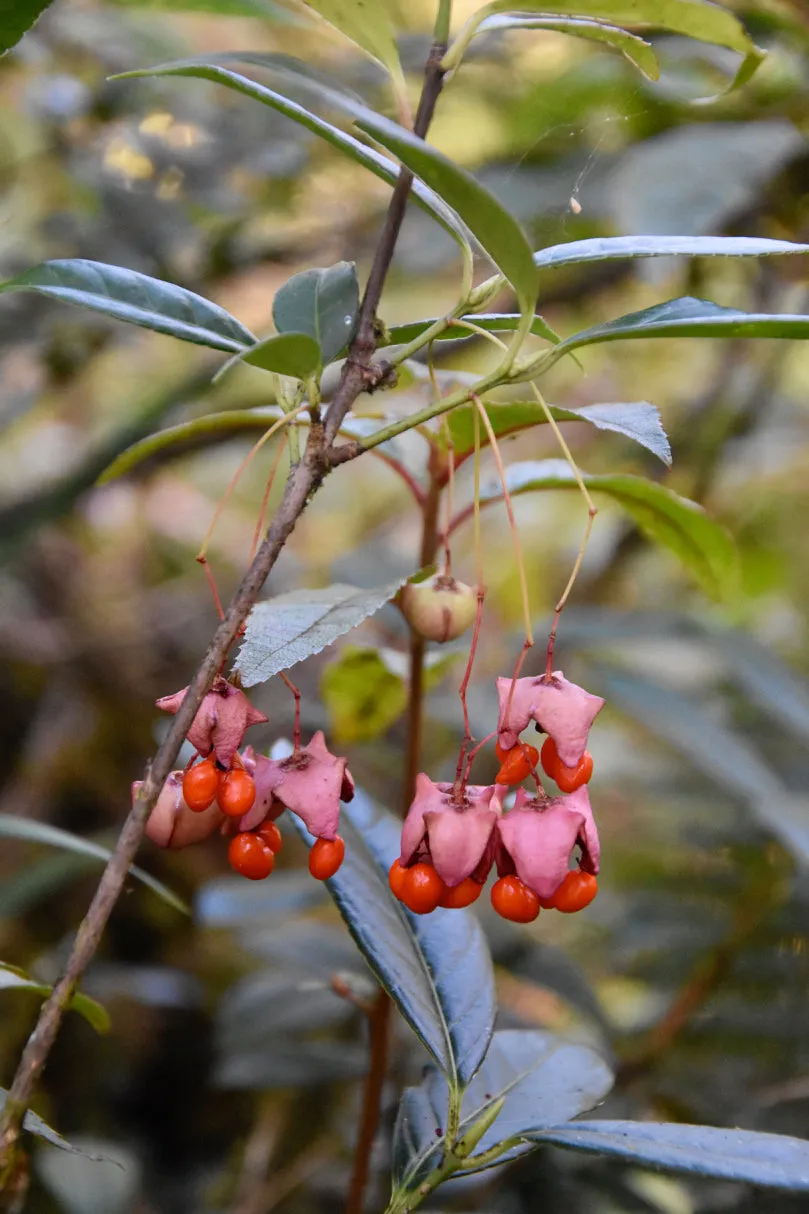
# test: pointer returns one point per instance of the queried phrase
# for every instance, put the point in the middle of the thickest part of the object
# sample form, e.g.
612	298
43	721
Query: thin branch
304	479
379	1022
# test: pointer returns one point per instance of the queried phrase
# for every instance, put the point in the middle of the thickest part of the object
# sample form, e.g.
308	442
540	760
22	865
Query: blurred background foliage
228	1080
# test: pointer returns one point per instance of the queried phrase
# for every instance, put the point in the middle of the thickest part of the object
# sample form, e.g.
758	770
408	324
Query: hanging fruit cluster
455	833
240	795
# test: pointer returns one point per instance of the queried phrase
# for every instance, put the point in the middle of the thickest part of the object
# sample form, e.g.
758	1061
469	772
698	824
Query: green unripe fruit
439	609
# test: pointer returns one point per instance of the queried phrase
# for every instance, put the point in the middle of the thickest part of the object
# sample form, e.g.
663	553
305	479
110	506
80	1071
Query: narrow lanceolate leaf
703	546
366	23
697	19
322	303
686	317
637	420
773	1161
93	1012
635	49
437	968
14	827
618	248
33	1124
543	1079
495	322
498	232
381	166
17	16
136	298
295	354
291	627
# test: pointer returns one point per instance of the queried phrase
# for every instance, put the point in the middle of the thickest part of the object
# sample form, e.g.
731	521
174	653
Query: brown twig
304	479
379	1024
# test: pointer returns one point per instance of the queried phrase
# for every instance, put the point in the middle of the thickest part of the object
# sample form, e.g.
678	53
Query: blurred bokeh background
230	1078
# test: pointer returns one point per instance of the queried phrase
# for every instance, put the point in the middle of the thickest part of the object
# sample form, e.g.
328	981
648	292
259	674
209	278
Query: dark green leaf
13	827
686	317
93	1012
294	626
630	45
138	299
639	421
295	354
703	546
369	158
614	248
322	303
234	902
34	1124
545	1080
367	24
435	967
17	16
502	322
770	1160
496	230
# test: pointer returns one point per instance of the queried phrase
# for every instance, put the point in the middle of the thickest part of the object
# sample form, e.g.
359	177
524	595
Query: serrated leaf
703	546
381	166
362	696
544	1079
366	23
633	48
498	322
17	16
291	627
638	420
696	19
323	303
617	248
138	299
685	317
33	1124
13	979
436	968
295	354
497	231
14	827
773	1161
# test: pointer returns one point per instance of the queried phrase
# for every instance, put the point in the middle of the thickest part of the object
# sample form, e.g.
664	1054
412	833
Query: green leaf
703	546
381	166
13	979
685	317
436	968
635	49
13	827
17	16
33	1124
697	19
614	248
544	1080
497	231
499	322
367	24
363	698
291	627
773	1161
322	303
638	420
136	298
295	354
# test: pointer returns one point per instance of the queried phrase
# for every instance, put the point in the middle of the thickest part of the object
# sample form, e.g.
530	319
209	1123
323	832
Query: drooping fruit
250	856
440	608
567	778
422	889
515	901
200	785
237	792
325	857
576	891
465	893
516	764
271	835
397	876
